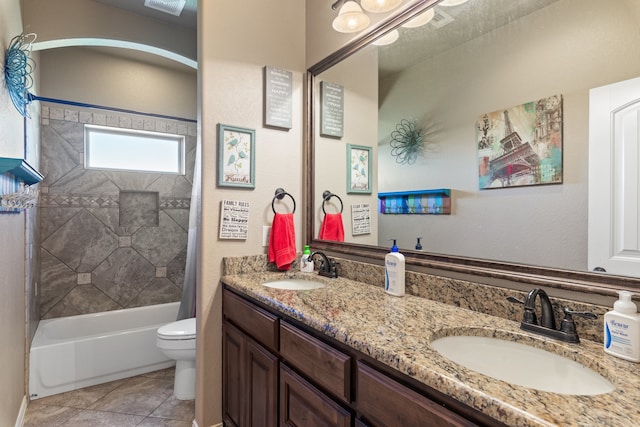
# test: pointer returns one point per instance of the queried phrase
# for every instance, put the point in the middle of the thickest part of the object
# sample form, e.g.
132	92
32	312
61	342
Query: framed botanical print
236	157
358	169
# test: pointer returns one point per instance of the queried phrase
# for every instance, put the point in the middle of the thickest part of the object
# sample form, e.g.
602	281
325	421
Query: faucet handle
568	326
515	300
529	315
586	314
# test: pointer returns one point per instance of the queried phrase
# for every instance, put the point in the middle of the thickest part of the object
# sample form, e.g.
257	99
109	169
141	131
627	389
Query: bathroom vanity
348	354
320	381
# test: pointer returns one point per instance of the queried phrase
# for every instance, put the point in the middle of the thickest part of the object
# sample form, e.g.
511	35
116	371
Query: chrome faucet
328	266
547	325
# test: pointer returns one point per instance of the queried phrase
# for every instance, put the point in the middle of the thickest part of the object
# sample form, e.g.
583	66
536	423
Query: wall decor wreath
407	141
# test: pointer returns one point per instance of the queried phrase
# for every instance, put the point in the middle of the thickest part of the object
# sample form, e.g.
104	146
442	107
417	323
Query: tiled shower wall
109	239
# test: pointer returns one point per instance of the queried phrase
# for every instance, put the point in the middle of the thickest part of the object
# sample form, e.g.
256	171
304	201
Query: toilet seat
180	330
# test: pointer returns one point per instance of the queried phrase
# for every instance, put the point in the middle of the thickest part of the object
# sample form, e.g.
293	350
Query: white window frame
95	129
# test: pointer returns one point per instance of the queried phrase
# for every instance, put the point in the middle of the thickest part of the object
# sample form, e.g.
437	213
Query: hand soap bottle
394	272
306	263
622	329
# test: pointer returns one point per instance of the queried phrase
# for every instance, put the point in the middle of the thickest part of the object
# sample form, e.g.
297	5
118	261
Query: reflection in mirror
479	57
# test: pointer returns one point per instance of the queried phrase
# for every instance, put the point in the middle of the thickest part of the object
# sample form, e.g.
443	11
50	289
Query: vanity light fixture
350	19
451	2
388	38
421	19
379	6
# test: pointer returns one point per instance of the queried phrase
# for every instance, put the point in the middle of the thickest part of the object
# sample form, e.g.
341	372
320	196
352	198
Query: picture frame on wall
331	110
236	157
521	145
358	169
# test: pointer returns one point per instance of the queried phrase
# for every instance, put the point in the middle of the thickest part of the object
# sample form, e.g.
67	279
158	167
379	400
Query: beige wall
12	254
236	40
359	77
102	76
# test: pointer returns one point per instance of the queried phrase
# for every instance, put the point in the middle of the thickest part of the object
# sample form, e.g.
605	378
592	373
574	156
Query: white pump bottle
622	329
394	272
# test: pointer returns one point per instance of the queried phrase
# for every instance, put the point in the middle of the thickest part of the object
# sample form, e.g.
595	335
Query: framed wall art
331	109
236	157
521	145
358	169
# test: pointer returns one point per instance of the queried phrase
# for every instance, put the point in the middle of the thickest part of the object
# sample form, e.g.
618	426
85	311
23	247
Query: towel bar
280	193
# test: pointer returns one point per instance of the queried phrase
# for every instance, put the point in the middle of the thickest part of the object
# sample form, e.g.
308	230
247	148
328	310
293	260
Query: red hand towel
332	228
282	241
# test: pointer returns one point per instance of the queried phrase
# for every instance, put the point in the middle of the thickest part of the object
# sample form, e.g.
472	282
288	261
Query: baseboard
22	413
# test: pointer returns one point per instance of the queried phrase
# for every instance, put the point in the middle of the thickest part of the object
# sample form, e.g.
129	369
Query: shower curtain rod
33	97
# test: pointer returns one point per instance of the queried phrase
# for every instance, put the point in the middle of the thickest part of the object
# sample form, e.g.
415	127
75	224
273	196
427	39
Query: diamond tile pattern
82	243
82	229
123	275
160	244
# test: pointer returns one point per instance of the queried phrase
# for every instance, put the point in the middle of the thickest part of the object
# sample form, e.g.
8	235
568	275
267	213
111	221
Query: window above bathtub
133	150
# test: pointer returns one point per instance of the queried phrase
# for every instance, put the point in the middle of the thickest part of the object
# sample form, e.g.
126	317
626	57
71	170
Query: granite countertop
397	332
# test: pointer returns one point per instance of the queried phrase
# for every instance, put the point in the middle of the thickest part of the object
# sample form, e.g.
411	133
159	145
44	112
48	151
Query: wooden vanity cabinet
310	380
303	405
376	393
324	365
250	374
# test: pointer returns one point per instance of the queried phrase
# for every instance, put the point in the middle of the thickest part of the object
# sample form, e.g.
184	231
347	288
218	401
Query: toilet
177	340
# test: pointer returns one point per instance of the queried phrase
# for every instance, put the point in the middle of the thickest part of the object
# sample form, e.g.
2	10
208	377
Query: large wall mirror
476	58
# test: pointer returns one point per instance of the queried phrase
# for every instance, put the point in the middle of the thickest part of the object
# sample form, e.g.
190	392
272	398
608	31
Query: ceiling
188	17
452	26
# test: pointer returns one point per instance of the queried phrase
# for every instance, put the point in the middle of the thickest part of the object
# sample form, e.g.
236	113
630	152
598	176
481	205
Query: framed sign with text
332	110
278	84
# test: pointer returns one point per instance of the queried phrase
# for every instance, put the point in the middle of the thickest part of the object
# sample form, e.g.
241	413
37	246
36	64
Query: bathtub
72	352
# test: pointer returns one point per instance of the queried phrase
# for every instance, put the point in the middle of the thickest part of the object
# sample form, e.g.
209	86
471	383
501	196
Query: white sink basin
522	365
295	284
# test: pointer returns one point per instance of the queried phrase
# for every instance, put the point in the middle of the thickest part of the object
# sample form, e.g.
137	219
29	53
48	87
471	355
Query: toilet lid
181	330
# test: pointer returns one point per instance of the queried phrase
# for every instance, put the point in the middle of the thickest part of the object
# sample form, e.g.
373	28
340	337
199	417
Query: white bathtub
72	352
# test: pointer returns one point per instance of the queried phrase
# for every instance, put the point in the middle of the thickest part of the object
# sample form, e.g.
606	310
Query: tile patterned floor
145	401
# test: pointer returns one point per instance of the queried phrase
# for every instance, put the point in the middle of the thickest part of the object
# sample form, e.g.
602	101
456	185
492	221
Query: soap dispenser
418	244
306	263
622	329
394	271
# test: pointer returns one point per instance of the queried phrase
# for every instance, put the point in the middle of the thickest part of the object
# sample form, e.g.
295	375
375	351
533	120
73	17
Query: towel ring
326	196
280	193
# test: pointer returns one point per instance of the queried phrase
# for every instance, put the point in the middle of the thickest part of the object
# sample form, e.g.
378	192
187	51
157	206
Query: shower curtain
188	303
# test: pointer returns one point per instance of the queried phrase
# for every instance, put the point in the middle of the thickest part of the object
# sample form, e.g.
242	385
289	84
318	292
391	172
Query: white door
614	178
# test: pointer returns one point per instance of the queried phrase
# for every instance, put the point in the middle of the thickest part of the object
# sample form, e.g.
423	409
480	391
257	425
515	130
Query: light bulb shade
388	38
451	2
379	6
420	20
350	18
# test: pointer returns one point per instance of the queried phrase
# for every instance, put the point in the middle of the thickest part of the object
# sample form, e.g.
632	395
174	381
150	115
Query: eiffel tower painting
521	145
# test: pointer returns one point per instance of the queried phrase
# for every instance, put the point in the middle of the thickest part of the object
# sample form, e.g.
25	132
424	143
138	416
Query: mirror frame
571	280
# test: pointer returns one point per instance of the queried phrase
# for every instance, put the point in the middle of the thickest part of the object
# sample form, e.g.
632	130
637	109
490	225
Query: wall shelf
16	175
20	169
433	202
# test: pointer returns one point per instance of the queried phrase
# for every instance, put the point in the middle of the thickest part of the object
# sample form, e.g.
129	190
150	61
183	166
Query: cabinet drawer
327	367
302	405
261	325
383	401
